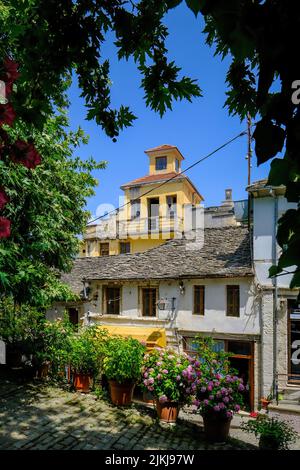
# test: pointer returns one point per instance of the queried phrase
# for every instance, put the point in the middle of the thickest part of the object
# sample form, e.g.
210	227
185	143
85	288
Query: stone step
286	401
291	394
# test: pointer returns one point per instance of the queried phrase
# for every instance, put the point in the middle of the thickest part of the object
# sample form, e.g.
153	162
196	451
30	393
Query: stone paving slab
41	416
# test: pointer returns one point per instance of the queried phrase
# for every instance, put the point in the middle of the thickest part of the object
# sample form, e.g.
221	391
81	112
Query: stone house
179	289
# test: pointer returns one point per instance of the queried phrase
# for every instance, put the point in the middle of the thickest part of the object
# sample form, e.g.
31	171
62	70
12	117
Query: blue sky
195	128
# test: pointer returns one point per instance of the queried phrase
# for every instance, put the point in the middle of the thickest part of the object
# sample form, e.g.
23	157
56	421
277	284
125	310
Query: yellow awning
151	336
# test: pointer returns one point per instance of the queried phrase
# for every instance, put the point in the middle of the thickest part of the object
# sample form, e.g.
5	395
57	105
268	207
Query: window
172	206
124	247
135	209
149	302
233	301
161	163
112	297
177	167
104	249
199	300
89	248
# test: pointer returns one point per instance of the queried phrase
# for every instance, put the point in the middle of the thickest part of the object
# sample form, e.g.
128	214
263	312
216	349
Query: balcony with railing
124	228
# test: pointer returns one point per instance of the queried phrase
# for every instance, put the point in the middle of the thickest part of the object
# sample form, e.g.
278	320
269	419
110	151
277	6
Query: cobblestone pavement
41	416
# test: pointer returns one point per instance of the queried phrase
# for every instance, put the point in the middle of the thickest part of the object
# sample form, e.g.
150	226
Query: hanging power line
172	178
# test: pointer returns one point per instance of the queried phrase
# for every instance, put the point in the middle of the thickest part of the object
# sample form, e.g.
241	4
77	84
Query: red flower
253	414
11	68
4	198
7	114
4	227
25	153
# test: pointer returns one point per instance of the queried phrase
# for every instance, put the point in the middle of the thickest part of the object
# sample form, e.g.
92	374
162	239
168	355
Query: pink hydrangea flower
163	399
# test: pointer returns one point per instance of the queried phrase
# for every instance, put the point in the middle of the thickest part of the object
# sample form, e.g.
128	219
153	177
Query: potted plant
273	433
265	401
51	345
219	392
218	398
172	379
85	356
122	367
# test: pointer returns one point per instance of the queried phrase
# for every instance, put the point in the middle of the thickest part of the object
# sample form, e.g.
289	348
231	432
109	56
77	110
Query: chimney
228	203
228	194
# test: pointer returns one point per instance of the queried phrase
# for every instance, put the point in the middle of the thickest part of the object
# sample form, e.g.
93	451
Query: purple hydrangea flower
196	403
151	381
241	388
146	375
178	378
229	414
159	376
225	399
165	371
216	408
205	402
203	389
237	407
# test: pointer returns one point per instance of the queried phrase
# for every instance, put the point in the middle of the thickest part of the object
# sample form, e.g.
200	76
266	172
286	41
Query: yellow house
155	209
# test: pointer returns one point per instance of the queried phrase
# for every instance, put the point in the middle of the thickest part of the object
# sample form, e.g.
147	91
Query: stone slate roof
226	253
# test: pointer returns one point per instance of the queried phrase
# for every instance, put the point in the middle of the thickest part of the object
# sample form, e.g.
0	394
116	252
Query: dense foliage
259	37
52	39
86	351
47	206
123	359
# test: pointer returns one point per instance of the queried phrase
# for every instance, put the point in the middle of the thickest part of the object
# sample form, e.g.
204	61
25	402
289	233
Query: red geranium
11	68
25	153
4	227
7	114
4	199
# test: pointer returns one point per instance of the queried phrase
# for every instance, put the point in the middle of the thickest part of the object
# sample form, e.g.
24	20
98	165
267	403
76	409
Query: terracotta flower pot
216	427
121	394
82	382
167	411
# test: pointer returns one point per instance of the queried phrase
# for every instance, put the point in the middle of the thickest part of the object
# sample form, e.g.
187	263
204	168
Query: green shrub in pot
123	358
273	433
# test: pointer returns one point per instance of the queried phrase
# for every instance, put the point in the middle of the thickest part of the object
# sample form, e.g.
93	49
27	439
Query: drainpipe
275	300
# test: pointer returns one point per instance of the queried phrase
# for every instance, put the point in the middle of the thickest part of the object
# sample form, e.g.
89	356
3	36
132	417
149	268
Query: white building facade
280	312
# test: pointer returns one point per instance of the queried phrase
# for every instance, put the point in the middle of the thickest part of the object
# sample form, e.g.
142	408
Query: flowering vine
19	152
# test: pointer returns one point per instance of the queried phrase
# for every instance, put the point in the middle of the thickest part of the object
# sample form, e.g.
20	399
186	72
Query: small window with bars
199	300
233	301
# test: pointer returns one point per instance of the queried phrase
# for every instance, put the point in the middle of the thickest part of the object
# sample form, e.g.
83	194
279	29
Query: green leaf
269	140
279	172
295	282
195	5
